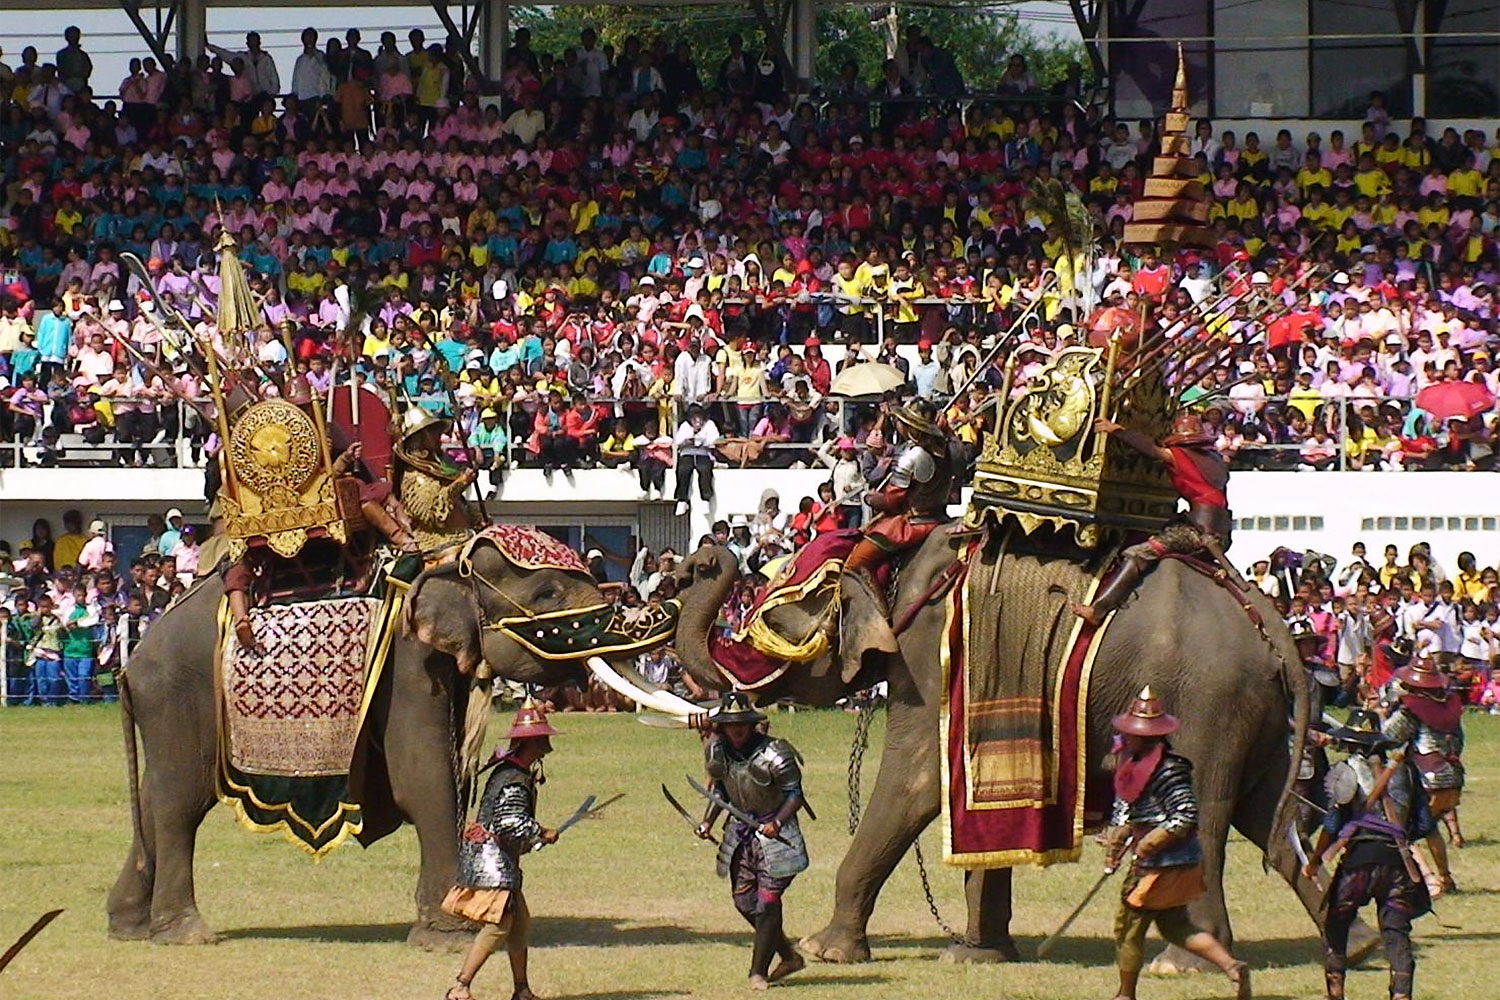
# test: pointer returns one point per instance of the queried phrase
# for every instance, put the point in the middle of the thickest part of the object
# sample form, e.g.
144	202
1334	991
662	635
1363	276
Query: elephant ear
441	611
864	633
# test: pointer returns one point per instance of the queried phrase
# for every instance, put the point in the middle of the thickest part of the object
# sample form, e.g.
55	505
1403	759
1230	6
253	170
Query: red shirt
1189	482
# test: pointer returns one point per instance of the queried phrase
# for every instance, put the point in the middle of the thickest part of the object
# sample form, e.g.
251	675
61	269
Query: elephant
1199	662
407	773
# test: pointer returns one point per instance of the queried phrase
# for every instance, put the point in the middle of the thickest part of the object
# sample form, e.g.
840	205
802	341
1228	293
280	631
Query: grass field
626	907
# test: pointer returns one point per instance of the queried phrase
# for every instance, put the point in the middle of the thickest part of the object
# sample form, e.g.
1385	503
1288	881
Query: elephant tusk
611	678
677	705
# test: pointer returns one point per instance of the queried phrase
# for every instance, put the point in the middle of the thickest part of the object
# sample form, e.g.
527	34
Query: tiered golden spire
1174	208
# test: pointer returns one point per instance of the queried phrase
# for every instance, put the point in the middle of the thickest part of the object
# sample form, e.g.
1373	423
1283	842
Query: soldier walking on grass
1156	813
761	778
489	859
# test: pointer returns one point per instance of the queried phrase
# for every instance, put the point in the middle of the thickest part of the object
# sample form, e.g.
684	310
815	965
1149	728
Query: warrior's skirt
483	906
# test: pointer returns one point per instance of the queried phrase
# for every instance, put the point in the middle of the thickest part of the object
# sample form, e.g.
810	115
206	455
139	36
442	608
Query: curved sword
732	809
682	811
578	814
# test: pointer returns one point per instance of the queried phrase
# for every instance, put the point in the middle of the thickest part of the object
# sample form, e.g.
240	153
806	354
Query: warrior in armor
1377	808
430	487
914	499
760	776
1428	718
1156	813
489	857
1201	477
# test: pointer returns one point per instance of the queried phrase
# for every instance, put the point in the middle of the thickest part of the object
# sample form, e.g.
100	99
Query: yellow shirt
1468	585
1318	214
583	213
1465	183
1307	178
1339	214
1372	183
1427	215
1242	209
67	220
1307	400
1418	158
1384	156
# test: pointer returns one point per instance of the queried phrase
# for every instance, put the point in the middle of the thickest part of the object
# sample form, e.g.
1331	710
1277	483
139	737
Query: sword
682	811
1046	946
578	814
732	809
25	939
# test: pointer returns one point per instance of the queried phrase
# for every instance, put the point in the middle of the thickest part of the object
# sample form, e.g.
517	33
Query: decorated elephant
1233	686
459	615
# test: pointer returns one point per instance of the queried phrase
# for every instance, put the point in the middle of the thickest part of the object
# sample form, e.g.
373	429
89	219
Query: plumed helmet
734	706
530	722
1145	717
1187	430
416	419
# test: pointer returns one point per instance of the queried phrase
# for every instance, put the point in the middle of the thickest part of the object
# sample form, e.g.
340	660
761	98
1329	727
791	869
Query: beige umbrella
872	378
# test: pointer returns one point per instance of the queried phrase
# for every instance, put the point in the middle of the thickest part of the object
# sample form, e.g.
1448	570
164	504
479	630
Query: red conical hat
1422	675
530	721
1187	429
1145	717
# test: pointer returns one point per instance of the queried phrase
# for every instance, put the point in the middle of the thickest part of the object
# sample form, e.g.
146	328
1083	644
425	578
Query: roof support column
192	29
803	38
494	40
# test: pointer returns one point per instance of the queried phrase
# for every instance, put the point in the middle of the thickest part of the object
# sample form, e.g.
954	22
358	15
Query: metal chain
916	846
857	758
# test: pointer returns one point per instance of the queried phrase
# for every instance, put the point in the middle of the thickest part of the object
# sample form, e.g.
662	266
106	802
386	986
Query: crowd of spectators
70	614
616	236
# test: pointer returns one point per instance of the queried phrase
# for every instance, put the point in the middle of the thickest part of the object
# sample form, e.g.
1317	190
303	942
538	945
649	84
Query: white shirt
695	442
694	376
311	80
592	65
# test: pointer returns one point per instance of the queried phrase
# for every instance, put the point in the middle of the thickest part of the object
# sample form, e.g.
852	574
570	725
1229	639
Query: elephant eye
546	593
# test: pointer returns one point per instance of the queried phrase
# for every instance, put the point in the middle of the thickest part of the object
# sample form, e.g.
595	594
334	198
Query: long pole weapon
445	371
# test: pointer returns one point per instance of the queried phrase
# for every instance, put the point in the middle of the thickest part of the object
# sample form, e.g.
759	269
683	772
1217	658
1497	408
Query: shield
372	429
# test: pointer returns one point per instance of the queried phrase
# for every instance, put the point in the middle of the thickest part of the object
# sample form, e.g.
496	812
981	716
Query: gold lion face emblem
271	446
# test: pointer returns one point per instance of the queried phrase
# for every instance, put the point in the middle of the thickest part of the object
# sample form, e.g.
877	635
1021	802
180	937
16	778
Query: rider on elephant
382	510
430	487
1156	812
1200	477
489	860
760	776
914	498
1429	718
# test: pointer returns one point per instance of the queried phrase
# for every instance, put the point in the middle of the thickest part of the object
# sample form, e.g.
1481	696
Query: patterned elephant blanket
1016	671
290	714
755	654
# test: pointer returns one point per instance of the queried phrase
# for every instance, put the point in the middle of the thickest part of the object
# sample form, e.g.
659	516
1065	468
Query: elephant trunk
711	574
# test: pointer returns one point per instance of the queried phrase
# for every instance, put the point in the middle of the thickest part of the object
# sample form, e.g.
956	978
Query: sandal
460	991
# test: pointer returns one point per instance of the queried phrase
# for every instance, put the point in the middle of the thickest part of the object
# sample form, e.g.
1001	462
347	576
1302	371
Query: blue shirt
54	334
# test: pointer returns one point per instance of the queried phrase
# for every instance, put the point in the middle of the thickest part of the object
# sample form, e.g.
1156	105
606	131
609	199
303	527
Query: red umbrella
1447	400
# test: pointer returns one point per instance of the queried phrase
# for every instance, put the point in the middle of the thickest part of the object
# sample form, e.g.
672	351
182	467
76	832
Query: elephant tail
1294	682
145	863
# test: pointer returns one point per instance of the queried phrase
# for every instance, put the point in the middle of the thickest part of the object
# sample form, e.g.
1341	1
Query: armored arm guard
510	821
786	774
1176	791
1401	727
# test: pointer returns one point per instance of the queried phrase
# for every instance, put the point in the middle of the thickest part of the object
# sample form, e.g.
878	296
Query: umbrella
871	378
1450	400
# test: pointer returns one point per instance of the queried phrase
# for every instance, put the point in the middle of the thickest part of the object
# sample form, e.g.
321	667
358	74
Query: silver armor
759	779
914	465
1436	754
1166	802
507	814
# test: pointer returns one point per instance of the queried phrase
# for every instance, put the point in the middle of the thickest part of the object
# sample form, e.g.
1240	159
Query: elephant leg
987	938
417	742
1207	911
129	904
1254	818
177	799
904	801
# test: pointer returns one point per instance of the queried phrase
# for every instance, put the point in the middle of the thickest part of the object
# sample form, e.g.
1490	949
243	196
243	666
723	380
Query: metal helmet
415	420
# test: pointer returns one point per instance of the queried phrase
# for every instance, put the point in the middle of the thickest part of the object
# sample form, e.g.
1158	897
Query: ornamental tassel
476	723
